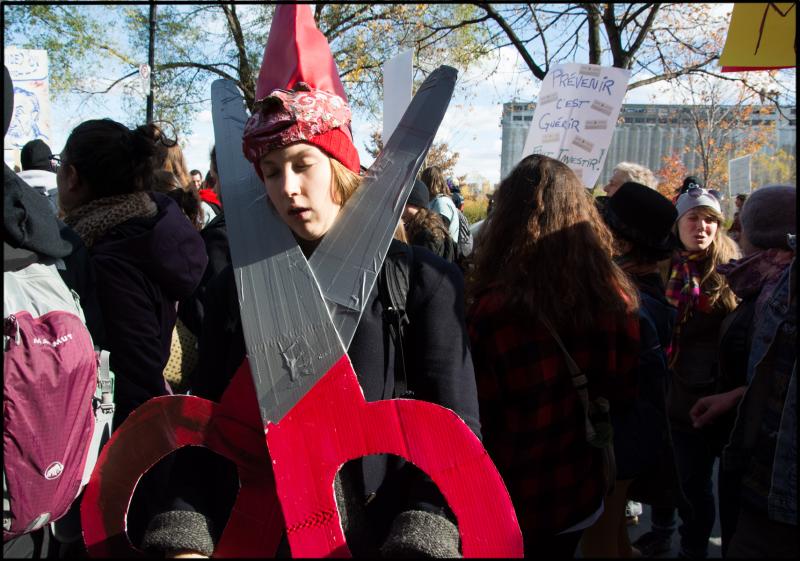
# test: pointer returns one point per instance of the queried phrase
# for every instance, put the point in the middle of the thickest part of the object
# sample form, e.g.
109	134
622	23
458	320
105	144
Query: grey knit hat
690	200
768	215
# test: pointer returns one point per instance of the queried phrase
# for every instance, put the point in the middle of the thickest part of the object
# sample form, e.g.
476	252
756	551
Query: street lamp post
151	60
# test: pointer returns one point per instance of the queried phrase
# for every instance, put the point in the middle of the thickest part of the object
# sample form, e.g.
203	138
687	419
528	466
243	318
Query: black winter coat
439	369
444	248
640	431
143	267
642	435
215	237
32	233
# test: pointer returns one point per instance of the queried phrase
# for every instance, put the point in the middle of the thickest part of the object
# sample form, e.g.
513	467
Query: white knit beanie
687	202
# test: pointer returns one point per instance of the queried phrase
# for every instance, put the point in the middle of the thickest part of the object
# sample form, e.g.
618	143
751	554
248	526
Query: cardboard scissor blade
290	339
346	263
289	334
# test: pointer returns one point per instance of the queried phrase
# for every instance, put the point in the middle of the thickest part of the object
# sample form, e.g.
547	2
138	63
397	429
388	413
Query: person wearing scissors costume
300	143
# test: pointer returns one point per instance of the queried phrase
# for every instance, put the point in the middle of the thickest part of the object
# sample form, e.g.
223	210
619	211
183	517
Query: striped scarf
683	291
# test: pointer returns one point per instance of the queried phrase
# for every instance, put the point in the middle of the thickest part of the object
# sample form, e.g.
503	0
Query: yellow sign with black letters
761	37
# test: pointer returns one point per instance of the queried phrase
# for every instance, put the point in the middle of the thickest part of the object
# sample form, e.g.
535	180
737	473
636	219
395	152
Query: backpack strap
393	283
105	383
598	435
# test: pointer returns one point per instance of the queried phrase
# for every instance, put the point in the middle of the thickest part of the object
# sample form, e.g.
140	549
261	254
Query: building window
530	118
517	117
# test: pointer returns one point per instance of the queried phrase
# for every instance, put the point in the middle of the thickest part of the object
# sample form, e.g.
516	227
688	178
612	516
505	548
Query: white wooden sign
739	175
397	85
575	116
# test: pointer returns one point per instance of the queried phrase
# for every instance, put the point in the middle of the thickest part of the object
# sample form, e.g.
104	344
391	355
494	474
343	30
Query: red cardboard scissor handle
231	428
333	424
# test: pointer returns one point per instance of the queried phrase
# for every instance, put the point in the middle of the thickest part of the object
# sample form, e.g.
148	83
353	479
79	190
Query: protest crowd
606	352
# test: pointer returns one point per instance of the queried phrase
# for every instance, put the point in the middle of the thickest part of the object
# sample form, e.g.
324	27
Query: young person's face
299	183
697	229
71	191
197	180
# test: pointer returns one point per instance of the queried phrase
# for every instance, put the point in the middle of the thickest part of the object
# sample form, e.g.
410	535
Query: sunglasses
696	192
56	160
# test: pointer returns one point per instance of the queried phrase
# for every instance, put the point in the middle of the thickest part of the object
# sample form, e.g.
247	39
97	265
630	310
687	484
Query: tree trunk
594	33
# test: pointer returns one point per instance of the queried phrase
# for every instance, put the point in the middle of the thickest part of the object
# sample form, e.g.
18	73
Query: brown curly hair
548	248
429	220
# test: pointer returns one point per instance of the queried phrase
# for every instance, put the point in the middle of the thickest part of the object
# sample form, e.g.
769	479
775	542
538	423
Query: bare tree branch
114	83
674	74
627	18
645	29
246	79
537	71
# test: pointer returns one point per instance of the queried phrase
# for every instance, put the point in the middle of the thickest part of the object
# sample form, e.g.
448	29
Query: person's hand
708	408
185	555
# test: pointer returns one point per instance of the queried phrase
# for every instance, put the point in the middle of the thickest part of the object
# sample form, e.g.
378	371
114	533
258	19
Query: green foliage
774	167
198	43
475	210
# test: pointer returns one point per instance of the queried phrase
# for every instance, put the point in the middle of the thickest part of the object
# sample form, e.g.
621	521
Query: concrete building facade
645	134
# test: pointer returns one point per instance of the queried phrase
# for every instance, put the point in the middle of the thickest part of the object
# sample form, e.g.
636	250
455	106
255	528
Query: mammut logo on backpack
55	343
53	471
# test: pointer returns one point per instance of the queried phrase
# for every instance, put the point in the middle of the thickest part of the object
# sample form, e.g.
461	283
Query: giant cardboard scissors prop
298	387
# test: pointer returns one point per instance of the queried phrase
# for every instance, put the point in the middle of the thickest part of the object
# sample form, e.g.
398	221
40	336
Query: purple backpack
57	400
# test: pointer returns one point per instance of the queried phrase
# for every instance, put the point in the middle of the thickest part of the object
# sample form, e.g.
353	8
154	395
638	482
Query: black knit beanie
36	155
419	195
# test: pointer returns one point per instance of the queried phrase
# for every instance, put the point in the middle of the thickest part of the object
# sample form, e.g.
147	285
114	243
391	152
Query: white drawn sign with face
31	114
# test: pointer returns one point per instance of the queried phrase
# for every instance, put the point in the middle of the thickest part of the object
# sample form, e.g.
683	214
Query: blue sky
470	127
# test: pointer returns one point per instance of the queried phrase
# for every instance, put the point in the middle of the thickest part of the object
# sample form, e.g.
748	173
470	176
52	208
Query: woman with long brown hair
440	200
544	277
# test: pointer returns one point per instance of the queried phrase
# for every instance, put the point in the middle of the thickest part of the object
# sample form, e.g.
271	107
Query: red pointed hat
299	96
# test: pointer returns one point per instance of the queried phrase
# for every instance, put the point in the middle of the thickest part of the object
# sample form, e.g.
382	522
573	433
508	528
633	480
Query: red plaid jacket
531	416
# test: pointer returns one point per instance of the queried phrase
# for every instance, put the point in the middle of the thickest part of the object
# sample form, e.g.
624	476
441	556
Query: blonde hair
165	181
638	174
175	163
721	251
345	182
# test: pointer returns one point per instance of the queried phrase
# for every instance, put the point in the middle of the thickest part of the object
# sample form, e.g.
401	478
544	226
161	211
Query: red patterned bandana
301	115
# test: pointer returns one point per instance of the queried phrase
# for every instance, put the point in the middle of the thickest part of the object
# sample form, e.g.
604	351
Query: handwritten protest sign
575	116
761	37
397	85
31	116
739	175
